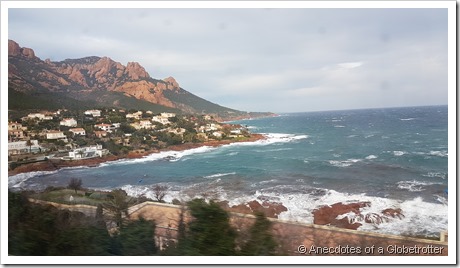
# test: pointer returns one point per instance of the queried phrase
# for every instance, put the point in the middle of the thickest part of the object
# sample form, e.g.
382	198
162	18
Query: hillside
94	82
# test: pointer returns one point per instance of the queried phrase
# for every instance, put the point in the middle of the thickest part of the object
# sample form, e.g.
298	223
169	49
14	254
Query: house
177	131
143	124
15	131
161	119
167	115
218	134
94	113
40	116
55	135
68	122
78	131
107	127
100	133
20	147
209	128
88	152
136	115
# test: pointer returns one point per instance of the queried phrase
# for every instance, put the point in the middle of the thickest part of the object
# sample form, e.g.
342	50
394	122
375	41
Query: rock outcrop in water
270	209
348	215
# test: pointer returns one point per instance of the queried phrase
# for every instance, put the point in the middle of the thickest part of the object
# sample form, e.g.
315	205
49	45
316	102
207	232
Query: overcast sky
278	60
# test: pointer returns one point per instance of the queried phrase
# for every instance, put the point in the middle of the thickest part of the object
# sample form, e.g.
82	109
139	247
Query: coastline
93	162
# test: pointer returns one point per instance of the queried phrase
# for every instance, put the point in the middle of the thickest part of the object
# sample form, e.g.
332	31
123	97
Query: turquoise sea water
394	158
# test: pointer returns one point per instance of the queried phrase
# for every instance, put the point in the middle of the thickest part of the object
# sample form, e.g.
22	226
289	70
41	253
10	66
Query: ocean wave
344	163
370	157
436	175
16	181
399	153
407	119
218	175
270	138
171	156
339	126
439	153
414	186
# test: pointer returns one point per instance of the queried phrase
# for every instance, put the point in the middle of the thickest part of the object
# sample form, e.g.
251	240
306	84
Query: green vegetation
40	230
209	233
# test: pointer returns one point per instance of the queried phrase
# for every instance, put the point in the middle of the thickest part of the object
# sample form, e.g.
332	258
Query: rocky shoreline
92	162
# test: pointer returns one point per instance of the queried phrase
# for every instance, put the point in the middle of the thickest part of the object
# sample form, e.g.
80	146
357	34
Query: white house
107	127
94	113
143	124
78	131
19	147
55	135
218	134
161	119
40	116
167	115
68	122
88	152
136	115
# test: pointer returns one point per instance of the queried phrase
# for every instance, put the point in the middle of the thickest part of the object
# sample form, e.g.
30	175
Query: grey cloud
261	59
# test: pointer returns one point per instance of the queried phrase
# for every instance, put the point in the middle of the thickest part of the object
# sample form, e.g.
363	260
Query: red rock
28	52
345	223
394	213
242	208
374	218
328	214
13	48
136	71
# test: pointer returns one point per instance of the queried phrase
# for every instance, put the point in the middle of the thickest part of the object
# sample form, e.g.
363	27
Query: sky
259	59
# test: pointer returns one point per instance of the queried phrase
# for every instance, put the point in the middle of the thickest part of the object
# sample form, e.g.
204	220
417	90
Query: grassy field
63	196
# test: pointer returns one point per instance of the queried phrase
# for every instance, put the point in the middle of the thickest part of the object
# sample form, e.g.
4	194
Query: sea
393	158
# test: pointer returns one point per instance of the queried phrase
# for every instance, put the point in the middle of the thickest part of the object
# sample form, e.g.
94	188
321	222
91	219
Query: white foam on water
414	186
218	175
440	175
344	163
439	153
16	181
420	218
399	153
370	157
407	119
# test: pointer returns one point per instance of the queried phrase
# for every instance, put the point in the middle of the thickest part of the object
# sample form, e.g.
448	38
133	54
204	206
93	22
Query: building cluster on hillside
79	135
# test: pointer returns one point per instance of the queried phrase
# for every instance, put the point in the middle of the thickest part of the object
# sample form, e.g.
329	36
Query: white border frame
452	94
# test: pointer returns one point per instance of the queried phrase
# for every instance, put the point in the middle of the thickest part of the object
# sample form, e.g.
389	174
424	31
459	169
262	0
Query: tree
159	191
118	205
74	184
209	233
29	143
136	238
261	241
38	230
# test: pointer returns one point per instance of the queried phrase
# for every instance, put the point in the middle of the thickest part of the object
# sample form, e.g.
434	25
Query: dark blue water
394	157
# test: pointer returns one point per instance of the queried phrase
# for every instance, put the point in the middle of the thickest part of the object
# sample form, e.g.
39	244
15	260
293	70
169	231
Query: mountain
93	82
